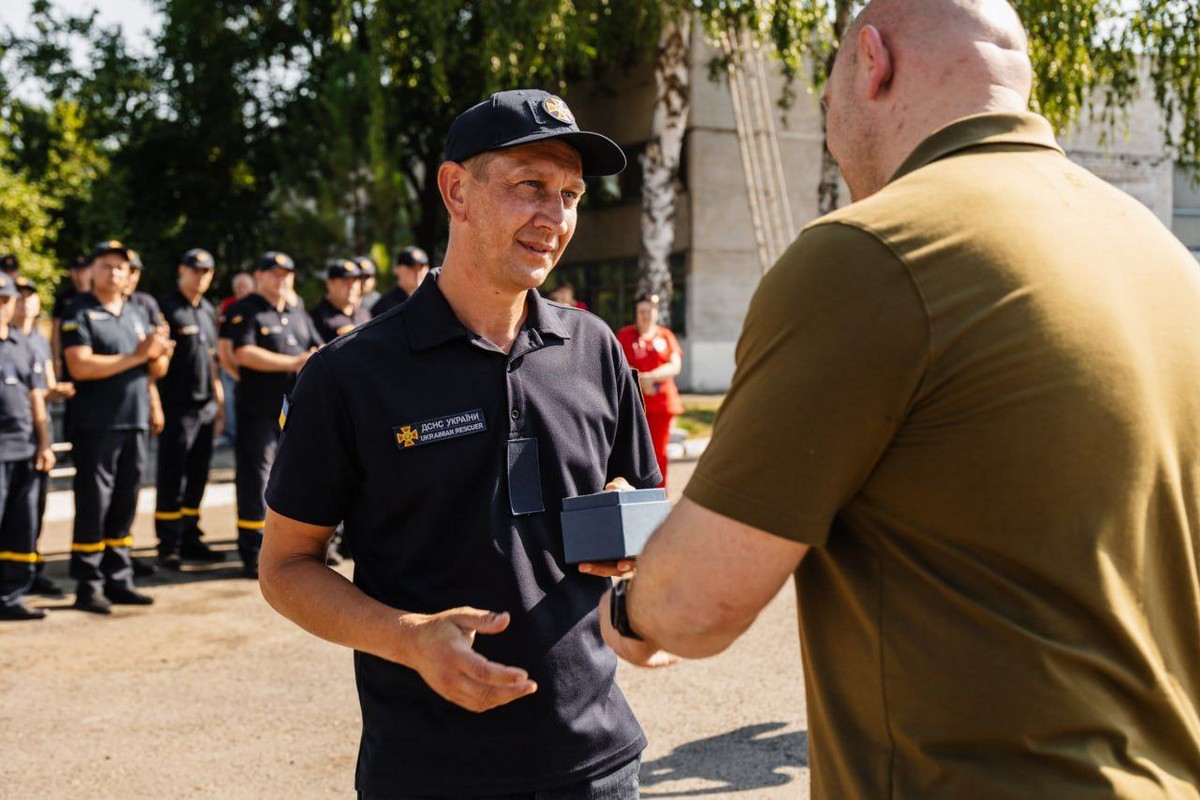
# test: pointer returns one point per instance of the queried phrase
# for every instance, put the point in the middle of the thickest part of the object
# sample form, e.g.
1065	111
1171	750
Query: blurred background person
243	284
29	308
565	293
370	295
655	353
410	269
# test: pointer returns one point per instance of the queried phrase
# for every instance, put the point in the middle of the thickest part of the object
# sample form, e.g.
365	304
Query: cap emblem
555	107
280	259
115	245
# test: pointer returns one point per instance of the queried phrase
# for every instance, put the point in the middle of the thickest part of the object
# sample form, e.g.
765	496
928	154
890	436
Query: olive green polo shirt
976	395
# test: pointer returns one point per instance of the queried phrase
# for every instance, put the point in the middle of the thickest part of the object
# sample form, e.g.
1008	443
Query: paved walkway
210	694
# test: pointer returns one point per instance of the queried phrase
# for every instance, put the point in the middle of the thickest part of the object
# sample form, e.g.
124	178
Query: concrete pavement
210	694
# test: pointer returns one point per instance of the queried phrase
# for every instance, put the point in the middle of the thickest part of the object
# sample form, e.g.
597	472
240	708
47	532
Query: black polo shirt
63	301
189	380
39	346
331	322
254	321
121	401
431	520
148	305
391	298
20	371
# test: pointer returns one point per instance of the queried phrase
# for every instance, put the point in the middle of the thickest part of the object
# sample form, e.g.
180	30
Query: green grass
698	415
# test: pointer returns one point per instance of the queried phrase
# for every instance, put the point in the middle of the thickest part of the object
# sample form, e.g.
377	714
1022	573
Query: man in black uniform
112	350
271	341
339	312
193	403
80	274
369	297
445	434
24	449
410	269
29	307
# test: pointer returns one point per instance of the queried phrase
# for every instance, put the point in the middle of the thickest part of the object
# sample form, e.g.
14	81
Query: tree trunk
827	190
660	161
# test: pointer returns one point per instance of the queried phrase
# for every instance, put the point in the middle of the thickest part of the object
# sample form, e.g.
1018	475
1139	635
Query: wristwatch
618	615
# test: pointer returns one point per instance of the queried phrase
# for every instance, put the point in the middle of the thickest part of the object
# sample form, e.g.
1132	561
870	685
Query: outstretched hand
447	662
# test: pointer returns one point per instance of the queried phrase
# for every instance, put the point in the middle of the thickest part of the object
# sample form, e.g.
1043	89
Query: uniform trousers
108	473
18	536
43	492
619	784
255	447
185	449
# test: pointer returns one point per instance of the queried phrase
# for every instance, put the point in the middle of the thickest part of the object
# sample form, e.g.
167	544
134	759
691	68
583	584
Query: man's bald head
909	67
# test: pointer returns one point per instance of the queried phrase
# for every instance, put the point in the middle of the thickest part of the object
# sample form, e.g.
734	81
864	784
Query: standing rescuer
340	311
24	450
271	340
445	434
193	407
112	350
410	269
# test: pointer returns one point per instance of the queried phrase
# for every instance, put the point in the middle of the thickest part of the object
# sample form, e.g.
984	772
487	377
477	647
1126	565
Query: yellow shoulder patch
238	319
69	326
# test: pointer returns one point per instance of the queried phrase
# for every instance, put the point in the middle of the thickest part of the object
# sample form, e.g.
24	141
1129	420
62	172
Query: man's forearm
97	367
41	421
257	358
158	367
303	589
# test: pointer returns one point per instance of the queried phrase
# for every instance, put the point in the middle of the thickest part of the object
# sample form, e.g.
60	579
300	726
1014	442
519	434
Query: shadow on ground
743	760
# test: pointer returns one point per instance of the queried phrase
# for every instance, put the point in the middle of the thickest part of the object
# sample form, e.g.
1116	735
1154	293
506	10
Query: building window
626	188
1186	222
609	289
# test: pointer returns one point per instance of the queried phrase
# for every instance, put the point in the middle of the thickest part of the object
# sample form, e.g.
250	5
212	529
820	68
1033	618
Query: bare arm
44	460
225	358
86	365
667	370
258	358
296	582
701	581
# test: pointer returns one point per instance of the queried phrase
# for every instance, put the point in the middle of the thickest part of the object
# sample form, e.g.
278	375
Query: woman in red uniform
654	352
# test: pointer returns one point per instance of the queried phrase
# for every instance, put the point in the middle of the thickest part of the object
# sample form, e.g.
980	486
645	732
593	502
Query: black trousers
108	472
43	492
185	450
255	447
18	536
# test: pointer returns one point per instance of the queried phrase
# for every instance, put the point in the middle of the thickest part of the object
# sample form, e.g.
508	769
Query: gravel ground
211	694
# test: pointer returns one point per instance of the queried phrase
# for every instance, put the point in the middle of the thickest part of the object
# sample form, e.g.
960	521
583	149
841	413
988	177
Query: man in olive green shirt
966	415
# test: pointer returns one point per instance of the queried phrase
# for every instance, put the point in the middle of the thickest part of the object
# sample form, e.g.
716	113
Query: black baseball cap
9	263
342	268
412	257
110	246
198	259
366	266
8	287
274	260
524	116
79	262
24	284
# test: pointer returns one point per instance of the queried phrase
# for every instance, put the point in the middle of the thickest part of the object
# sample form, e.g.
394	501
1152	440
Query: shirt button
516	414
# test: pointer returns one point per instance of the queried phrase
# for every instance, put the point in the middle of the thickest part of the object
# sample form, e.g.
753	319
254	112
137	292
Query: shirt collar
1025	129
430	321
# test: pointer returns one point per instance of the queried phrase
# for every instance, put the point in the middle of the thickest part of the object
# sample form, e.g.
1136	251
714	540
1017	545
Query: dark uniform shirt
39	346
63	302
254	321
148	305
20	371
448	461
332	322
391	298
121	401
194	329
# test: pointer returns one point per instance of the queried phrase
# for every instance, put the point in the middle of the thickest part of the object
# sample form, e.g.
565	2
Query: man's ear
875	59
451	179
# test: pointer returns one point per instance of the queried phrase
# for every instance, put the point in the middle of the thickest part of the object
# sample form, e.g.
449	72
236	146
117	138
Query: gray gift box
608	526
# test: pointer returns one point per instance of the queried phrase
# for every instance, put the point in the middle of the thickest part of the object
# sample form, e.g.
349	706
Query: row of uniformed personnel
144	365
